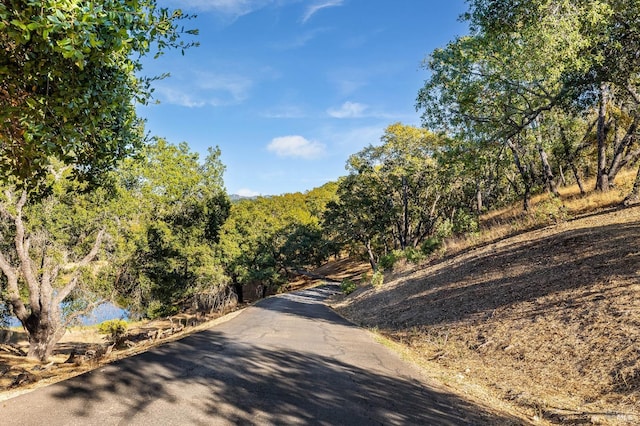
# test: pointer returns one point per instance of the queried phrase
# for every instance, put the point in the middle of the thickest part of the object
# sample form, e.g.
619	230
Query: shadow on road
214	377
250	385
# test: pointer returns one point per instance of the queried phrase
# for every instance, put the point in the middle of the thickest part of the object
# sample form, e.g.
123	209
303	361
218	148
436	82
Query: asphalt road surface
288	360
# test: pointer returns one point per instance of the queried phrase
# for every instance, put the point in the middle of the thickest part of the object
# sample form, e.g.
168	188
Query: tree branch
22	249
67	289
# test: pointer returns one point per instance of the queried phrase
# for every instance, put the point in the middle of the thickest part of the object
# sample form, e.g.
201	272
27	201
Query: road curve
288	360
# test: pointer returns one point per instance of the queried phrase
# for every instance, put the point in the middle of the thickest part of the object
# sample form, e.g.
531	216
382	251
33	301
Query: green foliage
158	309
347	286
387	261
536	78
377	279
394	194
267	238
115	330
71	75
465	222
175	206
413	255
430	245
410	255
551	210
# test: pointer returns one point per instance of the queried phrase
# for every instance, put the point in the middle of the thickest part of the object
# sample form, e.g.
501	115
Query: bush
347	286
157	309
551	210
115	330
465	222
377	279
413	256
430	245
388	261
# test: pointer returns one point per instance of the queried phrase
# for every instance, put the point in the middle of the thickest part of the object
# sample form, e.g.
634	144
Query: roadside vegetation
531	312
499	236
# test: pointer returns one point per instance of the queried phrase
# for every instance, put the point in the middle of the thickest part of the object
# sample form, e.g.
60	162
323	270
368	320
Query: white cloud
230	8
313	9
174	96
300	41
236	86
198	89
348	110
296	146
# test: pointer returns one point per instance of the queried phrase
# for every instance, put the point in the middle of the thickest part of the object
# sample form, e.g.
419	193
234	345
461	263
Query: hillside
547	320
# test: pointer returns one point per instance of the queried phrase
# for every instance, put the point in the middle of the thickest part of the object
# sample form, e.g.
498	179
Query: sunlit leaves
69	81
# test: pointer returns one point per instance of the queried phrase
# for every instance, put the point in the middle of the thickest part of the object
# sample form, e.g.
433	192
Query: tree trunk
602	180
570	160
634	195
405	209
524	174
372	257
42	337
42	319
478	203
562	178
548	173
577	177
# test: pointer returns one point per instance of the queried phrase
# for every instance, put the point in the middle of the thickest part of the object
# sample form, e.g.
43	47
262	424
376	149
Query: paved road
288	360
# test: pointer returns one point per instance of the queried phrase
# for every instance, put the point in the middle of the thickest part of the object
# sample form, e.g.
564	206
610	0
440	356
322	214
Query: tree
47	257
359	215
70	78
394	194
172	209
527	70
70	81
266	239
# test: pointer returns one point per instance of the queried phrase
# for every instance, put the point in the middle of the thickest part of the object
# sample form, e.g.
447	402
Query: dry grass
19	374
546	318
537	311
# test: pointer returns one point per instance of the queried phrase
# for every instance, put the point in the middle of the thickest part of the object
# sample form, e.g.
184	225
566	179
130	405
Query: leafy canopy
69	79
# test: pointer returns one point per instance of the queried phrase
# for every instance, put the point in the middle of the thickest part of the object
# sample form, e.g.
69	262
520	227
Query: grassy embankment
538	311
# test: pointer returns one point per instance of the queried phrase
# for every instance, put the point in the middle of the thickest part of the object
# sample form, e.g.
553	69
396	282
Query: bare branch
73	282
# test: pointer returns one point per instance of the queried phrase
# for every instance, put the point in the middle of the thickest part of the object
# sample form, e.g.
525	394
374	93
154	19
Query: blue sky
288	89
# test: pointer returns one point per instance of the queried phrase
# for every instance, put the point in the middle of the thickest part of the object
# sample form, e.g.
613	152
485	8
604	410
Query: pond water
104	312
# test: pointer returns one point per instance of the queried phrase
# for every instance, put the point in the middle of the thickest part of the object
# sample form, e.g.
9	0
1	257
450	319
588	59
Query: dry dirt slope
548	319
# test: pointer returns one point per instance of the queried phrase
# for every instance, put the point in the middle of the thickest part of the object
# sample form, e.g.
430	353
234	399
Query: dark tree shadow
212	378
502	277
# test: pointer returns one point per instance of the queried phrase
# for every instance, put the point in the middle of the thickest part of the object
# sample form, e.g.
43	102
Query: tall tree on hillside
394	194
495	85
524	59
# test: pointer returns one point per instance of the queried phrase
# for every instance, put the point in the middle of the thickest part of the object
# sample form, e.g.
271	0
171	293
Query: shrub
465	222
430	245
157	309
551	210
347	286
413	256
377	279
115	330
389	260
